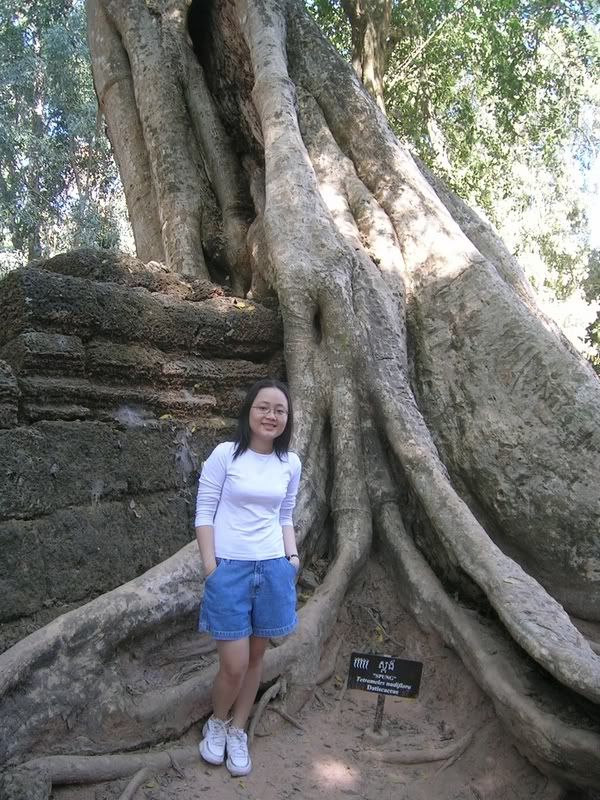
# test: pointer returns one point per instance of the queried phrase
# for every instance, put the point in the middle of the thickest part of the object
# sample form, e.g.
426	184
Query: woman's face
268	414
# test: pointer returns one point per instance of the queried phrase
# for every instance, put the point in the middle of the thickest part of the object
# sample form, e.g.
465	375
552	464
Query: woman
246	496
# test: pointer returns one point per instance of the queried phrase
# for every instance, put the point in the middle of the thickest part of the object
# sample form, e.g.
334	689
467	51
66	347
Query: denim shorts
249	598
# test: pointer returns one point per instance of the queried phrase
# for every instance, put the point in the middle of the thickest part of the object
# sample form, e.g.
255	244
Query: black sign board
384	674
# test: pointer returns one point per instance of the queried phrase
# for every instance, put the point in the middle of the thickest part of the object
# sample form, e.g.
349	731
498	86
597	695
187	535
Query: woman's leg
233	668
249	686
238	758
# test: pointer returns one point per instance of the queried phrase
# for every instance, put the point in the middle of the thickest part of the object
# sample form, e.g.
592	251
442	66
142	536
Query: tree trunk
437	408
370	21
34	201
114	87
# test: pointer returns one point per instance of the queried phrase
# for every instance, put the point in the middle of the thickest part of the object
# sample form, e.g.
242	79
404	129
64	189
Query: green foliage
332	20
591	288
58	180
591	284
501	98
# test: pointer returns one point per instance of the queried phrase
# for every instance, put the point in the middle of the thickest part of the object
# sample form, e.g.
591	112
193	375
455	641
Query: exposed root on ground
61	770
286	716
135	783
447	752
266	698
327	666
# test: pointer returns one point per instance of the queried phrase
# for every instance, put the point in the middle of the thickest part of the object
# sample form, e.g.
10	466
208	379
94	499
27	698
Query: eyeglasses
280	413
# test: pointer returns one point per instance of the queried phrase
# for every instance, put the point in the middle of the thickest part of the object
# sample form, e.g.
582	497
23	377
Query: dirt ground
328	758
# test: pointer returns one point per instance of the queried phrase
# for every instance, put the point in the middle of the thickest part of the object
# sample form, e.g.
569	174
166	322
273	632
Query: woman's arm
205	536
289	544
286	510
210	487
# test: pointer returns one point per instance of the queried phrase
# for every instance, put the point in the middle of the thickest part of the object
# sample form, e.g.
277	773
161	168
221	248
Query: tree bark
437	408
114	88
370	21
34	242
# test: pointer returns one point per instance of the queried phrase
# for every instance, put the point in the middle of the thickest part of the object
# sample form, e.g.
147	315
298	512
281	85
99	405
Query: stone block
38	300
42	353
23	571
9	396
53	465
80	552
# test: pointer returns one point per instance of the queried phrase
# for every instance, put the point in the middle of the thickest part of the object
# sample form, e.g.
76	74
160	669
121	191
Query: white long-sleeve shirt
247	500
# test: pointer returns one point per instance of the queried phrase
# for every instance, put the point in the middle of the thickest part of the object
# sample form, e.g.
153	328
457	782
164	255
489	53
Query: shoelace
236	743
217	731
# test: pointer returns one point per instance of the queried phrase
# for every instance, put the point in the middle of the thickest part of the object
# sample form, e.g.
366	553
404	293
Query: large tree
437	408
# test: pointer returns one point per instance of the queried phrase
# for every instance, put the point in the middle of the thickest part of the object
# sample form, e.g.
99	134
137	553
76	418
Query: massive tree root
436	406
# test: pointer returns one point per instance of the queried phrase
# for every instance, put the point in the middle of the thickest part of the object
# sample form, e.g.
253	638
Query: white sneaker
238	759
212	747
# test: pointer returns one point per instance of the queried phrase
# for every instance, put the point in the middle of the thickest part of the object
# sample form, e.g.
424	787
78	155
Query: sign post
384	675
378	721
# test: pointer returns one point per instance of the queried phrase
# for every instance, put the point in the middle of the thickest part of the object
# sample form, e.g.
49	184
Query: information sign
384	674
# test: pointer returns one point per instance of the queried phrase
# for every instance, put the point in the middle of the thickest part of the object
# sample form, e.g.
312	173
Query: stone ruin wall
116	381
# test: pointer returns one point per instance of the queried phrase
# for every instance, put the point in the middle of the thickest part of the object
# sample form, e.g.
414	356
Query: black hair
281	444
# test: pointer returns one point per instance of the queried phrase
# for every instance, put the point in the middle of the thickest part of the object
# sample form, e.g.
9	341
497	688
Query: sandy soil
329	758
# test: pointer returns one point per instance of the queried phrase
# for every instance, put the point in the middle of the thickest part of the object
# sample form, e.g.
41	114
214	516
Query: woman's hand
290	548
205	535
294	559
